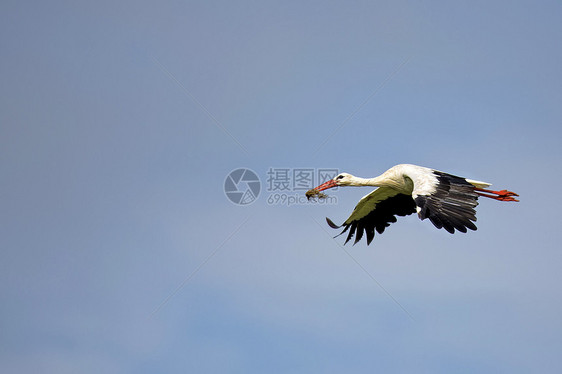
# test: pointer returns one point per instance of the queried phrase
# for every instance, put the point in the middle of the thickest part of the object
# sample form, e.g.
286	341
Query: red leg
503	195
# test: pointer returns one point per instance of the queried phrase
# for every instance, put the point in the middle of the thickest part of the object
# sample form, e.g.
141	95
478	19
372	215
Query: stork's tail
479	184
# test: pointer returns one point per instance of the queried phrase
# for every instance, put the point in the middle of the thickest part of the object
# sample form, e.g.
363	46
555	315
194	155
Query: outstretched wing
449	204
376	211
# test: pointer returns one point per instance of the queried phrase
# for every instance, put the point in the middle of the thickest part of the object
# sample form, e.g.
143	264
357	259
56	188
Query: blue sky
120	121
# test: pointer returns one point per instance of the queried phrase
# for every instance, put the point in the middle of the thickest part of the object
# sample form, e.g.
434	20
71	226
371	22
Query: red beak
324	186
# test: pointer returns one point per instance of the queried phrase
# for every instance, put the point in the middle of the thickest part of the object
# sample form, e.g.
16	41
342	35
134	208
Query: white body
406	177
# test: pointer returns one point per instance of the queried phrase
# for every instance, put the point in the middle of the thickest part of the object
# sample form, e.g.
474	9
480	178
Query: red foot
505	198
506	193
503	195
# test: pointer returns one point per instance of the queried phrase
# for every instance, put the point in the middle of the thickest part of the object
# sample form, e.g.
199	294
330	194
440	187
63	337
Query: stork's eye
339	177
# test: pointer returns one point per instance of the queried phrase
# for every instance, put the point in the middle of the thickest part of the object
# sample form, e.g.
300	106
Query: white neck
374	182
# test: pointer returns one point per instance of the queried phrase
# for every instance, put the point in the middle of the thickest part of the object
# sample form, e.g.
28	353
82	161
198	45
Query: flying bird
447	200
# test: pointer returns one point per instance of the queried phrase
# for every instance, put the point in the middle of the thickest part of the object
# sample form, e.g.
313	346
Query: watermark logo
286	186
242	186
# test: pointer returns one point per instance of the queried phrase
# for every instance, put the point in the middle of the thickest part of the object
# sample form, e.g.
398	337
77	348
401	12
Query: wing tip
332	224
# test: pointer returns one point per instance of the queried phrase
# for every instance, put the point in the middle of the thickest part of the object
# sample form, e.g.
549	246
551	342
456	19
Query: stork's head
343	179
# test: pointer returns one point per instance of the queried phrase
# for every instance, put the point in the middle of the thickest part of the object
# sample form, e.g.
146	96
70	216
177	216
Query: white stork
447	200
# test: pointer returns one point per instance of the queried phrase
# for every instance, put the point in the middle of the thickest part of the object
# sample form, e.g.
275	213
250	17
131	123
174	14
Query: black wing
376	211
452	204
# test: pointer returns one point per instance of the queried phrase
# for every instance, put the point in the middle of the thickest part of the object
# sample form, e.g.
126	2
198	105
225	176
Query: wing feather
376	211
451	205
